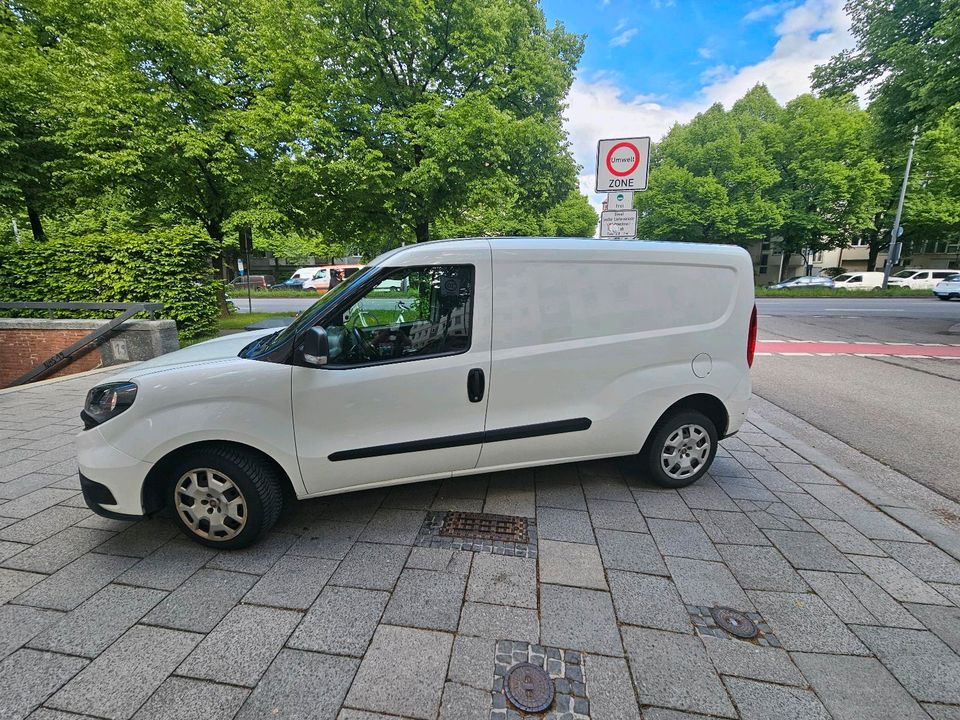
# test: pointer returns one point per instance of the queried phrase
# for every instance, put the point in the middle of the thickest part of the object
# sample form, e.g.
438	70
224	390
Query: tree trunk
872	255
215	231
783	263
423	231
36	225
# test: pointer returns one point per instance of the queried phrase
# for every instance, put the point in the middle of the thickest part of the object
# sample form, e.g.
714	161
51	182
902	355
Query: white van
306	273
499	353
859	281
919	279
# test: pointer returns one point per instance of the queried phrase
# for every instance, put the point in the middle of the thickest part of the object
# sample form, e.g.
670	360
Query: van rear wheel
681	449
224	497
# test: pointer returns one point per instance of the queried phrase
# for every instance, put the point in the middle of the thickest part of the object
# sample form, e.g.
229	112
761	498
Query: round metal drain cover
734	622
528	687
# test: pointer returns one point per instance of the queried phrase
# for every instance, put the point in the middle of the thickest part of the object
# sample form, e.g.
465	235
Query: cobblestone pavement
339	613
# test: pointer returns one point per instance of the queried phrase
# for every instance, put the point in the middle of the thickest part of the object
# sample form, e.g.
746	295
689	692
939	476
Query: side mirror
313	349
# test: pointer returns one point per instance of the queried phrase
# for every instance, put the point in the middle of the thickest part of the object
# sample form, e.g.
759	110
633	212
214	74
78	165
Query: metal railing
96	337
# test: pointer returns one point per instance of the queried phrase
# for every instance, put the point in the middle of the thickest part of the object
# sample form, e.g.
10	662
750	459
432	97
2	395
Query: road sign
620	200
618	224
622	164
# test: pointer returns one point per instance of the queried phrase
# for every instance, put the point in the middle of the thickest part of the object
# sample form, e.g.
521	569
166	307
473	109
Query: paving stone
58	550
42	525
579	618
665	504
43	713
653	713
745	489
141	538
454	562
118	682
25	484
951	592
574	564
186	699
327	539
682	539
845	537
253	635
341	621
351	714
370	566
752	460
169	566
898	581
565	525
809	551
761	568
636	552
520	501
256	559
71	585
804	622
776	481
756	662
301	684
202	601
706	494
472	661
942	712
462	702
294	582
389	525
558	494
923	664
878	603
674	671
9	549
878	526
838	596
926	561
707	584
412	496
616	515
604	487
763	701
32	503
854	688
648	601
19	624
28	677
503	580
426	599
402	673
14	582
730	528
609	689
804	473
500	622
944	622
98	622
728	467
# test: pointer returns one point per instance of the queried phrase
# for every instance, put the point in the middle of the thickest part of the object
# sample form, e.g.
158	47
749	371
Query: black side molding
448	441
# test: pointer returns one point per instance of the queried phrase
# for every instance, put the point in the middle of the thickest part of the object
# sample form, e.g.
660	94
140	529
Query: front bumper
96	496
114	480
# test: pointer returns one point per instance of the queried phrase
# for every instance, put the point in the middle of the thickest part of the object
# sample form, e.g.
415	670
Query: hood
220	348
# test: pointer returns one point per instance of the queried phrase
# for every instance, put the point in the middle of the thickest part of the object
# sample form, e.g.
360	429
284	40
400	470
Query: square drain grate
480	532
500	528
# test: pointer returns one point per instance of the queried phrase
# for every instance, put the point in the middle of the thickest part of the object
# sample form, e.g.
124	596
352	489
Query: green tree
933	196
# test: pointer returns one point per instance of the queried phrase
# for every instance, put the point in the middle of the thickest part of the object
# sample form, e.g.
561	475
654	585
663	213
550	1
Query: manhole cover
734	622
505	528
529	687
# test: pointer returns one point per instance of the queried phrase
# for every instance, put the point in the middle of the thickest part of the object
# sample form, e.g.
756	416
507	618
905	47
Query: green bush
164	265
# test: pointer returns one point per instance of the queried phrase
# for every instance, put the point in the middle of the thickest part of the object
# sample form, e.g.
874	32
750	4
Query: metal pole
888	263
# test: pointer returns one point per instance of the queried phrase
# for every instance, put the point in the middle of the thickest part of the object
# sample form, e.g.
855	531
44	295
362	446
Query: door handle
475	385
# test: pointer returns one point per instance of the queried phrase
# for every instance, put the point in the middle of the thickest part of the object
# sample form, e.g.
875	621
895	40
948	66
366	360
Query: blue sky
651	63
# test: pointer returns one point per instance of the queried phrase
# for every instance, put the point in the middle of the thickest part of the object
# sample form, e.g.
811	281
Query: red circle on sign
636	158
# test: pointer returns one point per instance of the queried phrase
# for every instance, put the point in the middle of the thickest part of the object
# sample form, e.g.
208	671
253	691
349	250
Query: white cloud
808	35
623	38
705	52
766	11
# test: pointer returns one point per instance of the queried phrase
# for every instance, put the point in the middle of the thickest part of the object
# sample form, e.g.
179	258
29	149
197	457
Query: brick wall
26	343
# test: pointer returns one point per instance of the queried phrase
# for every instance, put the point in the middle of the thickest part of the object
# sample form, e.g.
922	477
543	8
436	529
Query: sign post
622	168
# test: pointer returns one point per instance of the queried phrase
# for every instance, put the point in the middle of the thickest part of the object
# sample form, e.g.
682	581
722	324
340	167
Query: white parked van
305	273
494	354
859	281
919	279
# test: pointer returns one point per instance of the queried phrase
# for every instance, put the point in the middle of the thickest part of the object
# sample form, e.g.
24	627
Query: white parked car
305	273
859	281
919	279
949	288
506	353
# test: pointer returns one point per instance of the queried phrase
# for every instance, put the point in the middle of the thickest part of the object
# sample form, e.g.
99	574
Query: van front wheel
681	449
224	497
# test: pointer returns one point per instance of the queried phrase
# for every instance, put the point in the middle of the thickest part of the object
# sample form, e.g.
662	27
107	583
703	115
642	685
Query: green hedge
165	265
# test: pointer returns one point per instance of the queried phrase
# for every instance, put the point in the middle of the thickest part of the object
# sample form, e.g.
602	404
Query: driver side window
411	313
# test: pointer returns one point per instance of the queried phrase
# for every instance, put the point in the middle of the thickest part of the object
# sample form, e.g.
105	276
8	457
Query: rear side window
858	278
941	275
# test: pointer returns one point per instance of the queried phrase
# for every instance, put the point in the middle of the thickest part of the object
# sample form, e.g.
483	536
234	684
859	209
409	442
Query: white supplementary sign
622	164
620	200
618	224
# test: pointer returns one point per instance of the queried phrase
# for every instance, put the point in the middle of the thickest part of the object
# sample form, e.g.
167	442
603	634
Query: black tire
944	297
257	482
650	455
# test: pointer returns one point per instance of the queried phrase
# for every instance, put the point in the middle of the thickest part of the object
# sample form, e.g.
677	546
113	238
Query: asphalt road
857	308
903	412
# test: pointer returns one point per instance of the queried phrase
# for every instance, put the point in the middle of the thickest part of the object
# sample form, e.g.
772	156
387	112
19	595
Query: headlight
107	401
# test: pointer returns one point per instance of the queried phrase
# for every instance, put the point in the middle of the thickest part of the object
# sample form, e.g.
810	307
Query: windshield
307	318
952	278
906	273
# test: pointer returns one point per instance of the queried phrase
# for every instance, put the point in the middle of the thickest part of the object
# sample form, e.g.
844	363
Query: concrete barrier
27	342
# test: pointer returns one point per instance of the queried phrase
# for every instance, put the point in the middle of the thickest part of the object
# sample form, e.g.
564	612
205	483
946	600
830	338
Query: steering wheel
362	349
